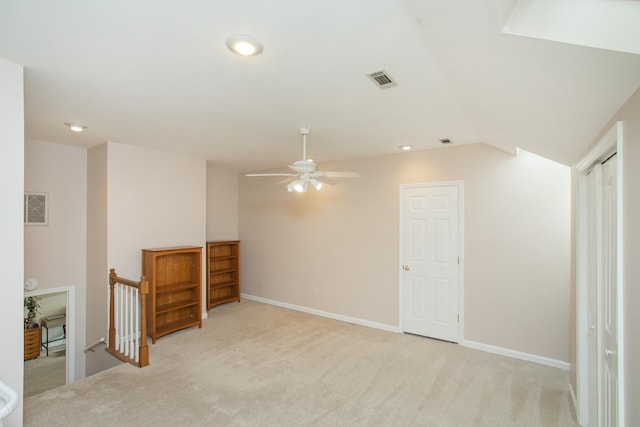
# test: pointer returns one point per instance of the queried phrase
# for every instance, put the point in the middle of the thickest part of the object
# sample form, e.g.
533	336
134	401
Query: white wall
143	199
344	241
11	230
601	24
222	204
55	254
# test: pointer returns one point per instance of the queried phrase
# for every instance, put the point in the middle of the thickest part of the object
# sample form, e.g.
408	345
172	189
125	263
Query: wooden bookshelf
175	283
223	272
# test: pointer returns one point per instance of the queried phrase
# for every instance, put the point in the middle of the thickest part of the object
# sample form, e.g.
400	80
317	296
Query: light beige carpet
254	364
45	373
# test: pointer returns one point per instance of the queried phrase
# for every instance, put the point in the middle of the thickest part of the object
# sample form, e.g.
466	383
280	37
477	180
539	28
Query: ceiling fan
305	172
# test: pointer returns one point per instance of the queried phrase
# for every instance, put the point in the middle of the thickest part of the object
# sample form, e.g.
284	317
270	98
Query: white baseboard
471	344
517	354
327	314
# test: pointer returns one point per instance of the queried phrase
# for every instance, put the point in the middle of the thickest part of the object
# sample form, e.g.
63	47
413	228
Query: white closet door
592	283
602	294
609	311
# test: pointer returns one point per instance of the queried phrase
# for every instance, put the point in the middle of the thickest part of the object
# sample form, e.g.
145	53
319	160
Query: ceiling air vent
382	79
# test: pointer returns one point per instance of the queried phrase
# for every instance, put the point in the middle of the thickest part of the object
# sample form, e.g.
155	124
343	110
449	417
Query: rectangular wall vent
36	209
382	79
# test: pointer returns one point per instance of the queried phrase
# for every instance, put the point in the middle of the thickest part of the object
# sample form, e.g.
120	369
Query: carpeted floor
44	373
254	364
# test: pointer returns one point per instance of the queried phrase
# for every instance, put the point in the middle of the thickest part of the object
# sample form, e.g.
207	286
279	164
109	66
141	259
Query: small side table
52	322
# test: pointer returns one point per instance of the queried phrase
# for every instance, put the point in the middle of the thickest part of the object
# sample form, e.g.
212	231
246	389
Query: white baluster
137	326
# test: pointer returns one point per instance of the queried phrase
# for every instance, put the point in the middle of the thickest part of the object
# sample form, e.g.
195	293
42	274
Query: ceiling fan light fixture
316	184
244	45
300	186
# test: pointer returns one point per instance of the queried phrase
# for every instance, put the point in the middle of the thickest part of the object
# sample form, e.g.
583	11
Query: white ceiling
157	73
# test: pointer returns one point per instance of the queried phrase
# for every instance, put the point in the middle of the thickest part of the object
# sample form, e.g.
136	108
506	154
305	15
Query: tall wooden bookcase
175	282
223	272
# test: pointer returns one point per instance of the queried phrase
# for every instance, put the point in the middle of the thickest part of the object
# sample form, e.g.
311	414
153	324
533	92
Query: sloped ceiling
158	74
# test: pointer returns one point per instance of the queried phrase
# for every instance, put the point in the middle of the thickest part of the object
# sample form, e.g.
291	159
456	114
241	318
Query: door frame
460	185
611	142
70	327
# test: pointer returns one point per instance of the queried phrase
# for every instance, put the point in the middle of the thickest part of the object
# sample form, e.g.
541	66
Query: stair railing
128	319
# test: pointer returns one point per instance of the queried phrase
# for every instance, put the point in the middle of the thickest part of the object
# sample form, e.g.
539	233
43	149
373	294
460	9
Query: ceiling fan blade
327	180
336	174
270	174
287	180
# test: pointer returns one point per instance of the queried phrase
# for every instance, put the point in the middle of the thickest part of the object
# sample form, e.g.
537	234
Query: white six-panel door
430	232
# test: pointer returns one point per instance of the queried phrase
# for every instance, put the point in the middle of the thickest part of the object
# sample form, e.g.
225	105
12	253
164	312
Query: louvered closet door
602	293
609	307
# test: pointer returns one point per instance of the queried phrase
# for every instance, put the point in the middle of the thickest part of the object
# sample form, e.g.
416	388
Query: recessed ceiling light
76	127
405	147
244	45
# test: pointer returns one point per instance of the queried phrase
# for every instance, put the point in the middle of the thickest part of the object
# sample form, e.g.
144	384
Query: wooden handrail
93	346
143	289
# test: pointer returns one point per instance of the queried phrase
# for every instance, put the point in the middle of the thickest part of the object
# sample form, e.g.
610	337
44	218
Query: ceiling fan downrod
304	131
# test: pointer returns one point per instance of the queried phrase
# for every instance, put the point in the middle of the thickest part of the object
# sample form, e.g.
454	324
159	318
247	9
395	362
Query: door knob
407	267
609	352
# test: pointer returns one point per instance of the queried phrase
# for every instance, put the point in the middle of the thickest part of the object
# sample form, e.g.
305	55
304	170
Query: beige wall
222	204
52	305
97	262
141	198
55	254
573	323
343	241
11	230
155	199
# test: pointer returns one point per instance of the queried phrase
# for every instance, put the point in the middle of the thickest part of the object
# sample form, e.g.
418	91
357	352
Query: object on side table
52	322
